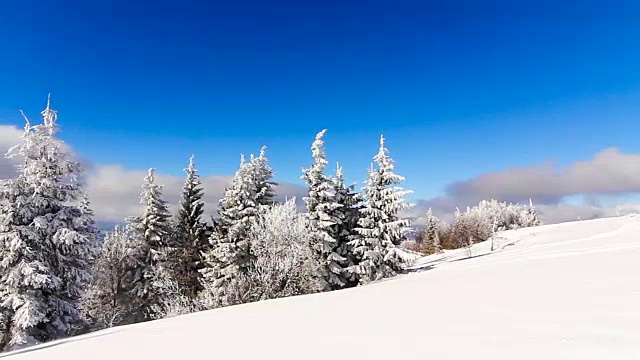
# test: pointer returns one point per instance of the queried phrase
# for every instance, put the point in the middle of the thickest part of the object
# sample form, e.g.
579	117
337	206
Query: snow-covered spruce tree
326	218
251	190
188	240
229	253
431	240
263	178
86	223
381	229
321	206
347	215
531	217
47	239
110	300
151	233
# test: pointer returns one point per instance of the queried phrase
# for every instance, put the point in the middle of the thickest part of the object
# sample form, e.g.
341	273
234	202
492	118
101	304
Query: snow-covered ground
566	291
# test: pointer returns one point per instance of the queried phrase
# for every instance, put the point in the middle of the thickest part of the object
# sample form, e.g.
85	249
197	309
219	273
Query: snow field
565	291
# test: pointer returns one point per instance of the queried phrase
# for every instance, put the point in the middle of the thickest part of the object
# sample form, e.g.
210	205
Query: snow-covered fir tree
431	240
319	203
531	218
86	222
47	239
324	214
251	190
381	229
189	240
152	232
263	178
344	230
229	254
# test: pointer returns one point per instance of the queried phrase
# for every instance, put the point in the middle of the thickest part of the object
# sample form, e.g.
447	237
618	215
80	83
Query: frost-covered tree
189	240
473	225
333	217
175	302
321	208
47	239
86	223
110	300
347	216
481	222
152	232
283	263
263	178
430	237
531	216
251	189
381	229
229	253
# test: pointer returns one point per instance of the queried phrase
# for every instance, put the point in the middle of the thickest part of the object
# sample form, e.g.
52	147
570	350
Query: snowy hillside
566	291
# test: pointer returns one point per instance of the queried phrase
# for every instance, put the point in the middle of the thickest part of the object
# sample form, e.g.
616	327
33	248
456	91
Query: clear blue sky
458	87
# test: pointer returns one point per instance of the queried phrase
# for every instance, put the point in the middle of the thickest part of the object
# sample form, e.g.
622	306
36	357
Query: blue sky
459	88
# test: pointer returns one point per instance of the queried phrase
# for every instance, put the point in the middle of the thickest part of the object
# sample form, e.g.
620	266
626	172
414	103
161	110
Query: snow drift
565	291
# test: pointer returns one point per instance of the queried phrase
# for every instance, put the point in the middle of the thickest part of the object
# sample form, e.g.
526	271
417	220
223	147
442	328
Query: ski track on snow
510	253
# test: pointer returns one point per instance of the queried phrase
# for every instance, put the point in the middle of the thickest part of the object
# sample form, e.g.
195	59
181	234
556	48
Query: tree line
476	224
58	277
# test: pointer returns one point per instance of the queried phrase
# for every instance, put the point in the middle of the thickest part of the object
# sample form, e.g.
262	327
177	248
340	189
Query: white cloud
9	136
115	191
548	214
608	172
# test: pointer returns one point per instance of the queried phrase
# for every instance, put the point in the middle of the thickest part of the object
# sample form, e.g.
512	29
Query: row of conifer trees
57	278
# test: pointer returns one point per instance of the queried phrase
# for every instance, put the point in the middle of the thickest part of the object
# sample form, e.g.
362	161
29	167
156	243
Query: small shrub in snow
174	302
413	245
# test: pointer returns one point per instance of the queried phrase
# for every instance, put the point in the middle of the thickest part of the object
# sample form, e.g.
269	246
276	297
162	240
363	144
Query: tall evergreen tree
151	235
229	253
86	223
431	238
347	215
47	239
319	203
251	189
324	214
263	178
381	229
189	239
